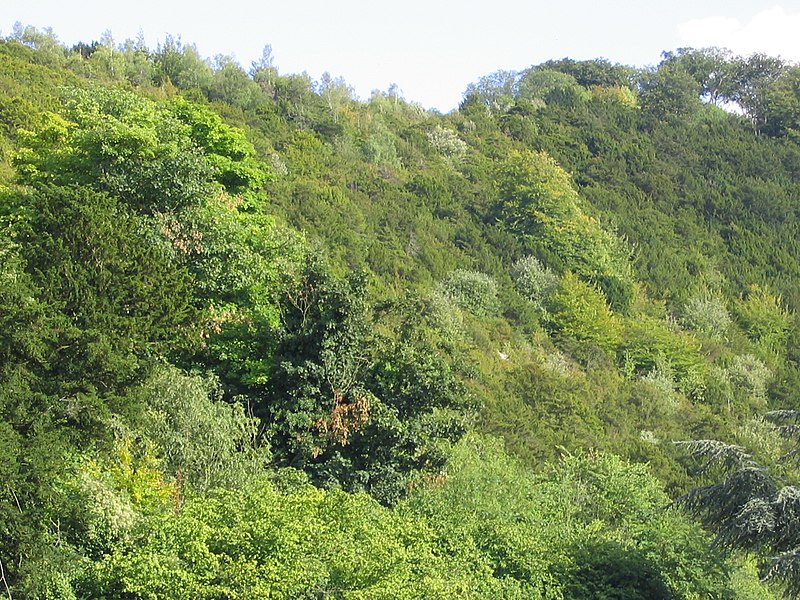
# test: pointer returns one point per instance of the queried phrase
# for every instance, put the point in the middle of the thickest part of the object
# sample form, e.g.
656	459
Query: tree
708	315
534	280
228	151
754	77
712	68
264	72
472	291
181	65
754	507
591	73
580	317
348	408
230	83
336	92
551	87
122	295
202	440
496	90
782	100
538	201
670	92
121	144
45	42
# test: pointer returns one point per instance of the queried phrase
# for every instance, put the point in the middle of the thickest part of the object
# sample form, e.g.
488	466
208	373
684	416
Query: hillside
263	339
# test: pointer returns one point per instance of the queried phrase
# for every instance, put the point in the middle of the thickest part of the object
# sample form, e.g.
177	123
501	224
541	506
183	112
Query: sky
430	49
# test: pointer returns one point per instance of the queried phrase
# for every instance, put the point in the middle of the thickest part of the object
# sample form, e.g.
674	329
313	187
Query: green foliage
540	202
711	68
265	542
591	73
48	49
119	143
25	323
661	384
230	154
143	229
536	533
123	298
708	316
379	146
609	570
783	104
581	319
748	378
542	408
620	95
237	259
180	65
341	415
765	320
649	343
200	438
534	281
472	291
317	394
551	87
447	143
748	504
669	92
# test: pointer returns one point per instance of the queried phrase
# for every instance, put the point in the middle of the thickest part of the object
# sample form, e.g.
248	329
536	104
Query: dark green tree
348	408
670	92
123	296
753	506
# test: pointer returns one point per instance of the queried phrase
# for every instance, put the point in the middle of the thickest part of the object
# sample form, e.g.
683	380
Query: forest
260	338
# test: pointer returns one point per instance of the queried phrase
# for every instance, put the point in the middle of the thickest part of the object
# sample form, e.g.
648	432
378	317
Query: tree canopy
260	338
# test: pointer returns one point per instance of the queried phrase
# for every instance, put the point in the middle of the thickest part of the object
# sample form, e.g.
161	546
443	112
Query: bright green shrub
765	320
122	144
648	342
580	317
573	531
226	148
264	542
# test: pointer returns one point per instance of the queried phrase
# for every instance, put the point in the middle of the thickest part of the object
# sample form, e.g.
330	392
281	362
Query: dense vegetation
263	340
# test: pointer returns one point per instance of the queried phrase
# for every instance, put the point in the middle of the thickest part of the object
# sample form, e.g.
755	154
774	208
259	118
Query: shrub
708	316
447	143
580	317
472	291
534	280
750	377
764	319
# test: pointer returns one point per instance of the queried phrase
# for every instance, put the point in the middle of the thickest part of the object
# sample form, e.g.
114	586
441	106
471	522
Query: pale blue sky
430	49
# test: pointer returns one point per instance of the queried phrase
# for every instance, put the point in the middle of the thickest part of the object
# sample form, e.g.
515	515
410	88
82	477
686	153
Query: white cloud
773	31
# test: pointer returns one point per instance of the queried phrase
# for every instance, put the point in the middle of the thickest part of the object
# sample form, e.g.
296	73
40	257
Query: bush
472	291
708	316
649	343
447	143
765	320
581	319
534	280
208	441
540	203
750	377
